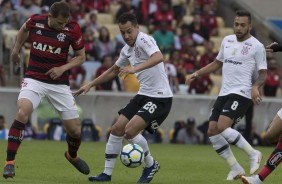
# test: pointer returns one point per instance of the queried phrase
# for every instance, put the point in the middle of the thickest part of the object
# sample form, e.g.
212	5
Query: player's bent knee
117	131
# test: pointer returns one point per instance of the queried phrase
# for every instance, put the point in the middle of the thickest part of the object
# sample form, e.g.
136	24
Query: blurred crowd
188	32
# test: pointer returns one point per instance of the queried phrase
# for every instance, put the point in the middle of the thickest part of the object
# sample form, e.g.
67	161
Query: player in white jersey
148	109
243	61
273	134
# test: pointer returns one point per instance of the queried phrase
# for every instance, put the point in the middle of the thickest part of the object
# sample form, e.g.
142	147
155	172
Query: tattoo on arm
261	78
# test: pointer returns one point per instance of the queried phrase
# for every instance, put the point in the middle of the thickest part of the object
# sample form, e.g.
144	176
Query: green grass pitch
43	162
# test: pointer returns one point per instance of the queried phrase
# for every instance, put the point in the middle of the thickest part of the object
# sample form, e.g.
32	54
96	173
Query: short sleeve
77	42
260	57
220	56
148	44
122	61
29	22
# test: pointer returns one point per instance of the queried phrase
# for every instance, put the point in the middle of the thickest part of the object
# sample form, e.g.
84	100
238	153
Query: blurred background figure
189	134
272	82
3	130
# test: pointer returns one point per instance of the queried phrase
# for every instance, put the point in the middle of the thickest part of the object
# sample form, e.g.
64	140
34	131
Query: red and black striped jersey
50	48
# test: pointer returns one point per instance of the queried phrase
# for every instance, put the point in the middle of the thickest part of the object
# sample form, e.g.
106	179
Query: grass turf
44	162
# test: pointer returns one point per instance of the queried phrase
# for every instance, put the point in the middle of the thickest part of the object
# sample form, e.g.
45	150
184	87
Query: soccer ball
132	155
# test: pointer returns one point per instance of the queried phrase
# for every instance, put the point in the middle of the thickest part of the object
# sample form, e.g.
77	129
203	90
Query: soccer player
273	134
51	35
243	61
148	109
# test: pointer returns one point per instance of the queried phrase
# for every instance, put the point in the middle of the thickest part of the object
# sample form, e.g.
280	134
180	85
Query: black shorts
233	106
153	110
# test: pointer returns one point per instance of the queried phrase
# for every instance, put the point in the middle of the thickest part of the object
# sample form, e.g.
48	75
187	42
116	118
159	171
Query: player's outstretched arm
215	65
274	47
106	76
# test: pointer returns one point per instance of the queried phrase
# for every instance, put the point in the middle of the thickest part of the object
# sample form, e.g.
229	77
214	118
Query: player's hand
15	57
256	97
191	77
268	48
55	72
83	90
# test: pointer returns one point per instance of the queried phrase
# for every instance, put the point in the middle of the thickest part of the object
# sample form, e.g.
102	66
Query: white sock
221	146
113	148
235	138
141	141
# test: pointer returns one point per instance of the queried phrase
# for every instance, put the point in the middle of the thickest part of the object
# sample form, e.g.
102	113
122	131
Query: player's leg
113	148
27	101
233	111
61	98
275	157
222	147
114	144
153	112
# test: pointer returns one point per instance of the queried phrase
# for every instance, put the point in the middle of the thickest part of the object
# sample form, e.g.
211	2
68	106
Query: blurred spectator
165	13
90	50
2	76
189	54
148	9
272	82
208	19
104	45
197	27
172	76
102	6
189	134
126	6
180	65
76	11
164	38
93	25
77	77
179	10
3	130
8	17
26	9
178	125
201	85
107	62
208	56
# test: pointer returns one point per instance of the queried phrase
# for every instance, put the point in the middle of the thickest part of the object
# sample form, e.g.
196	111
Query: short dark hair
243	13
60	8
127	17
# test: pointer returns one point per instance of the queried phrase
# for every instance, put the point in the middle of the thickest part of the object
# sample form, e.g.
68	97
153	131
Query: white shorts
59	96
279	113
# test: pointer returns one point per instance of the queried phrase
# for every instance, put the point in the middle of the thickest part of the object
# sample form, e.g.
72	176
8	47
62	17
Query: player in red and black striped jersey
51	36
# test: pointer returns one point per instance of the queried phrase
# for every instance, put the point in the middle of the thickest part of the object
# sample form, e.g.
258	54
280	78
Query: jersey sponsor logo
275	158
245	50
232	62
61	37
39	25
46	48
230	41
145	41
